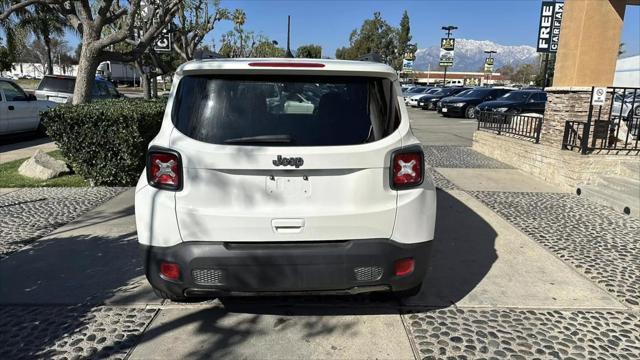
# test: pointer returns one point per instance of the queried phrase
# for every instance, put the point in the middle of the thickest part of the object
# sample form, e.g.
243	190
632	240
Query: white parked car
19	111
413	100
239	197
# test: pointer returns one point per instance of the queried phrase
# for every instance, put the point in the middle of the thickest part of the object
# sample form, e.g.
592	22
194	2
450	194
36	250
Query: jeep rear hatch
282	158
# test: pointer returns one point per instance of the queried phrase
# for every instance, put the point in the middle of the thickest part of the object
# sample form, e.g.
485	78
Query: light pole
448	29
288	53
490	52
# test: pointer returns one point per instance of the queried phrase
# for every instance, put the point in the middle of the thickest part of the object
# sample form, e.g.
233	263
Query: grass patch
10	178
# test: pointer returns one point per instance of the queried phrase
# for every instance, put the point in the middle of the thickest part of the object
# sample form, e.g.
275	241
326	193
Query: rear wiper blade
262	139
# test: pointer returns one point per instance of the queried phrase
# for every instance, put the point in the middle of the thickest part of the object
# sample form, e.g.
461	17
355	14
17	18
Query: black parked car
516	102
464	104
429	101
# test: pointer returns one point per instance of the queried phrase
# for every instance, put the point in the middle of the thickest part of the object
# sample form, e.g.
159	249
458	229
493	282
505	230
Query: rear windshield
56	84
285	111
476	93
516	96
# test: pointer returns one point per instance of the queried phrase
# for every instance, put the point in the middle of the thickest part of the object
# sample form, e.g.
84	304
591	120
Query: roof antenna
289	54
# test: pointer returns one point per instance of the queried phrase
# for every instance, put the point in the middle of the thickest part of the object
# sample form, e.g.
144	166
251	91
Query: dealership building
454	78
588	140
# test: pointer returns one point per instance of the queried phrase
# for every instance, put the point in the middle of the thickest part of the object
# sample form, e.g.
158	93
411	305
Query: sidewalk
25	149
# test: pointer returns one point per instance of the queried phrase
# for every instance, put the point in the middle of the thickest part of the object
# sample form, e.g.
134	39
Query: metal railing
612	128
521	126
574	135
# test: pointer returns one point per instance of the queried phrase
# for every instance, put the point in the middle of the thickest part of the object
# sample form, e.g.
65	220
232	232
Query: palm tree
44	24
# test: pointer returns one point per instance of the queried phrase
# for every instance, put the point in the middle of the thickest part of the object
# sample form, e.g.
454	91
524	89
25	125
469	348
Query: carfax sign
549	30
447	46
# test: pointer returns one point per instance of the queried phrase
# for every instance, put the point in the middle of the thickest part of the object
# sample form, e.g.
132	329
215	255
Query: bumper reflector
404	267
170	271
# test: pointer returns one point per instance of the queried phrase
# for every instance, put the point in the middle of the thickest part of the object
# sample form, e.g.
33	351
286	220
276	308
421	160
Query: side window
12	92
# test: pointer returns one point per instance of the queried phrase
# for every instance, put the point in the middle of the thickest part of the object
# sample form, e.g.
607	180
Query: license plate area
288	186
57	99
444	109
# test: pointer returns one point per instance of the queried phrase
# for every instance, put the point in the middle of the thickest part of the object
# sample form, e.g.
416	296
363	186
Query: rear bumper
338	267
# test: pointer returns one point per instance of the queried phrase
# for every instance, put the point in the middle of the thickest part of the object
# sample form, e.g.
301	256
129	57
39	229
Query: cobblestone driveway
598	241
70	332
29	214
524	334
460	157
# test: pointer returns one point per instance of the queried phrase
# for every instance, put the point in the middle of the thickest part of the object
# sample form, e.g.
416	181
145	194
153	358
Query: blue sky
329	22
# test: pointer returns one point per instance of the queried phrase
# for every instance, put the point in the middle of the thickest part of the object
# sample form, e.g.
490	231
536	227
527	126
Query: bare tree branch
6	12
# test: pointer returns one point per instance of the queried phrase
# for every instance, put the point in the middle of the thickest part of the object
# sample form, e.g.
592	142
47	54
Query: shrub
106	141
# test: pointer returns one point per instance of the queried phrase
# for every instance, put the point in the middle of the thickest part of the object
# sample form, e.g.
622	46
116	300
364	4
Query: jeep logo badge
292	161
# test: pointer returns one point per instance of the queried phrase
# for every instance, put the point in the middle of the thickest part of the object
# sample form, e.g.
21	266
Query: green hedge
105	141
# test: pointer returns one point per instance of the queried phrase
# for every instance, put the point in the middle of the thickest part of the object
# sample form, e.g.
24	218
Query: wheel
470	113
407	293
163	295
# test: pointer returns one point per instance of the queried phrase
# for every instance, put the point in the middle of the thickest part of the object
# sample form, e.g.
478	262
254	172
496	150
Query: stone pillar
589	42
563	104
571	104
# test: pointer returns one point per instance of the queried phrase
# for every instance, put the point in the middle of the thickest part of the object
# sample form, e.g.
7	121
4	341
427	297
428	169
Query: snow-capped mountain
469	55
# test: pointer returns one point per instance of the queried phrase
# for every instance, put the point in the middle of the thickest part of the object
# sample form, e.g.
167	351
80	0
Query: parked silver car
59	89
19	111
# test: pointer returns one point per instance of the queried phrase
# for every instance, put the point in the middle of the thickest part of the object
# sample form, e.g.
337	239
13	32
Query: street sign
163	42
488	65
447	47
549	30
407	64
598	96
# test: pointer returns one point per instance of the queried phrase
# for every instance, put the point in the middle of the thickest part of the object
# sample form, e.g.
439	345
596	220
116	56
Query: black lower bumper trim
194	292
332	267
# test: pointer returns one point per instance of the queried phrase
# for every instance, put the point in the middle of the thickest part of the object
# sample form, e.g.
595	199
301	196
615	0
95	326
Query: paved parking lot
519	270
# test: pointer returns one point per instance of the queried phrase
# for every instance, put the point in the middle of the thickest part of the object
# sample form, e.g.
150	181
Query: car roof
69	77
61	76
266	66
529	90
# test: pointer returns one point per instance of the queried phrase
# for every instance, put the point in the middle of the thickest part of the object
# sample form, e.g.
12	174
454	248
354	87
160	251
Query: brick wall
568	104
564	168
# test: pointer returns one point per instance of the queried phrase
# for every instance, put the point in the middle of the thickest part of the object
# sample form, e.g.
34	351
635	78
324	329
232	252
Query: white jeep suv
283	176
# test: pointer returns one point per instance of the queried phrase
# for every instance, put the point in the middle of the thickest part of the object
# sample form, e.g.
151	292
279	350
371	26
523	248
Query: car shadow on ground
21	141
94	270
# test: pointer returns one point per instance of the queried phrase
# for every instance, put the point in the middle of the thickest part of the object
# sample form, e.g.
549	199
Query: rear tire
407	293
163	295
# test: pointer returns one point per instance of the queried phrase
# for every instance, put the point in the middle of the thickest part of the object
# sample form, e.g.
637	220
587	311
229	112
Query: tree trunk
86	76
144	80
47	44
154	82
146	86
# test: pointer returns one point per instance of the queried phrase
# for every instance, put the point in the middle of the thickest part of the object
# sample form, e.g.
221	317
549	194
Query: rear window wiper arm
262	139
